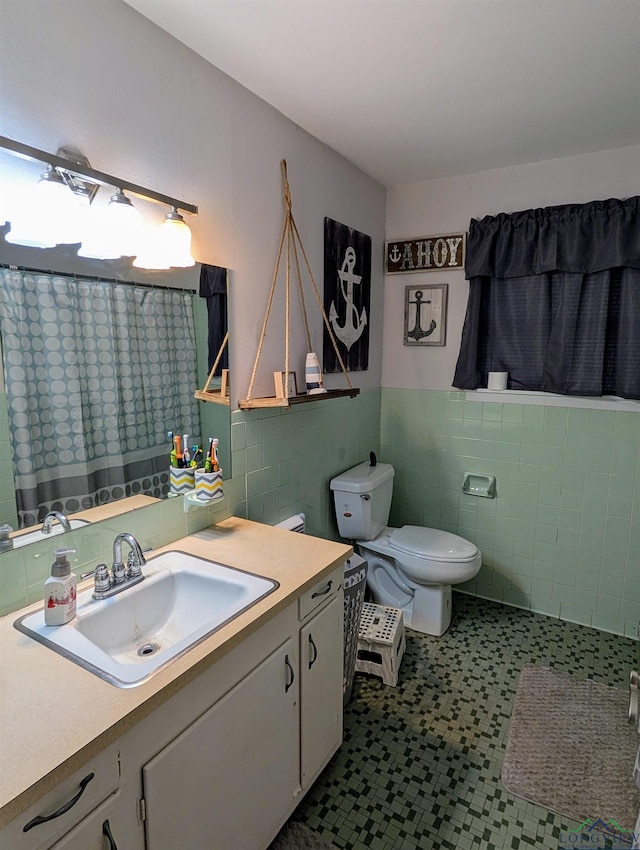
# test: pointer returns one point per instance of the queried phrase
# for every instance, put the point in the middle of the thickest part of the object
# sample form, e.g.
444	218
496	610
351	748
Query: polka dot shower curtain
96	374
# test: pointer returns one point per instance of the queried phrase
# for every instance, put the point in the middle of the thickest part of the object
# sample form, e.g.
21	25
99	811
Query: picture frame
286	385
425	314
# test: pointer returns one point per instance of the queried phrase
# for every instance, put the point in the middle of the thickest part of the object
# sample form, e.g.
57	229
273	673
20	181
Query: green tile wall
289	456
563	535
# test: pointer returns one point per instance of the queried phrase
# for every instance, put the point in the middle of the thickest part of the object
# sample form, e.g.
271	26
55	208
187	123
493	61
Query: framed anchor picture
425	314
347	296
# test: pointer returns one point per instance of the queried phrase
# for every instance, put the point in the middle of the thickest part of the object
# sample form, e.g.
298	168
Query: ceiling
412	90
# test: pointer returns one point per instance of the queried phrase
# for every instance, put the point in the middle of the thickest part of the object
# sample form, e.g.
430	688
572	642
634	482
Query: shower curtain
96	374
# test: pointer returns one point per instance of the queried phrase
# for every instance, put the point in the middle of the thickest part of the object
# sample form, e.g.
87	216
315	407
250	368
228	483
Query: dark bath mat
297	836
571	748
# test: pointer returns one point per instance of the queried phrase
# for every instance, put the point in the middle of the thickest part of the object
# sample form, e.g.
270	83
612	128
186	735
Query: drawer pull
290	671
313	660
63	809
323	592
106	831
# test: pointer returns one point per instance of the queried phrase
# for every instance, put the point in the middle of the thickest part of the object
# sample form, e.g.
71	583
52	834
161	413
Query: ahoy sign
426	254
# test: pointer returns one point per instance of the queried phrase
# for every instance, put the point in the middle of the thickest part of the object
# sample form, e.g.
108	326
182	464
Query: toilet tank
362	500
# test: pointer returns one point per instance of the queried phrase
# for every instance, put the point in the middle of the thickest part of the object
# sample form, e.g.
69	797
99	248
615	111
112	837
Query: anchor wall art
425	314
347	296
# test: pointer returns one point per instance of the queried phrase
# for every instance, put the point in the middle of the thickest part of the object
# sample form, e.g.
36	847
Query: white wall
97	76
446	206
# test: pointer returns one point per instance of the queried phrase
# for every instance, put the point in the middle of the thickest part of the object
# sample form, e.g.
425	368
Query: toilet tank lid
362	478
432	543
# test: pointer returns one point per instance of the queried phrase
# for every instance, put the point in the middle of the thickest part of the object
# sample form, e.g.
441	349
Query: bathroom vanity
215	750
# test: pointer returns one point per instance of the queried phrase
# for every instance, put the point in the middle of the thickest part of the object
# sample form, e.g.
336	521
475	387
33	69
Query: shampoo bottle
60	591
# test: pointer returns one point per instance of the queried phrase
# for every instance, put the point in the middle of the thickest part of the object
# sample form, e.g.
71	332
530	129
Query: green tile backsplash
563	535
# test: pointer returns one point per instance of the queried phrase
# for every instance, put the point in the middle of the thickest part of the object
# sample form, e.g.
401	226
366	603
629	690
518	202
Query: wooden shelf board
211	395
251	403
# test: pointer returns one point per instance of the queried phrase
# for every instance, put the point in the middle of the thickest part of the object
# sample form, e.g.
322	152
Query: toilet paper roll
497	380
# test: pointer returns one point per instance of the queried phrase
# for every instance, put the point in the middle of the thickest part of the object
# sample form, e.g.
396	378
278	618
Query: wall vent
293	523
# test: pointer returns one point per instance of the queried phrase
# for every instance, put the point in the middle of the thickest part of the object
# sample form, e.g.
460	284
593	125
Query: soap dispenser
6	543
60	591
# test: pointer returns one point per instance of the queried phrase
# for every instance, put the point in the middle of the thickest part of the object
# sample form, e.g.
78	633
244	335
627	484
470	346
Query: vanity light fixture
70	171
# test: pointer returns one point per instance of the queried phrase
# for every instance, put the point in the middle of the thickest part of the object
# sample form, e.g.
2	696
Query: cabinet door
114	825
321	661
225	782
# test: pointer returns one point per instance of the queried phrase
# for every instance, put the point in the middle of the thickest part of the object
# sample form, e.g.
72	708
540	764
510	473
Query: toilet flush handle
365	496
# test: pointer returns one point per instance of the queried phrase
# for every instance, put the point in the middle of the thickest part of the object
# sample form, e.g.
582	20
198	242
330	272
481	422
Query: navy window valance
581	238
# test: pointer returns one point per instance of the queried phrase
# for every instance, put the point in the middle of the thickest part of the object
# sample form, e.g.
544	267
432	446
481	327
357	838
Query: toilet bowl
412	567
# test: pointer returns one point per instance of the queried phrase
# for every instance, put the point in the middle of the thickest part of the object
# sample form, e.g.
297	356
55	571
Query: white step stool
381	642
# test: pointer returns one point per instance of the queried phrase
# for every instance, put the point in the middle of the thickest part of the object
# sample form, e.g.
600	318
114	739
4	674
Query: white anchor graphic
395	255
354	325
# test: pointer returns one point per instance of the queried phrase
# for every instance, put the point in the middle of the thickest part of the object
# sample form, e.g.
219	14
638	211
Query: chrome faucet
135	561
109	583
50	517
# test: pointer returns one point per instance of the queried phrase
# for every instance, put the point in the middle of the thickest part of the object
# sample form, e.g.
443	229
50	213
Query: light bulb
176	237
123	222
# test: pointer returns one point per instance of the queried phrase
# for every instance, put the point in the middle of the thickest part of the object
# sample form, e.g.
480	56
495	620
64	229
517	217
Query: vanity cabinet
225	781
223	762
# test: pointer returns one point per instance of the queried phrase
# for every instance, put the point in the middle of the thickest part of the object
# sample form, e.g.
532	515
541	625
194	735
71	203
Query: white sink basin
127	638
36	536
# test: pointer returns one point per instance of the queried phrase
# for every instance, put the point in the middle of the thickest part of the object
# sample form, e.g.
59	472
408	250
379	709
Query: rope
266	318
324	315
290	230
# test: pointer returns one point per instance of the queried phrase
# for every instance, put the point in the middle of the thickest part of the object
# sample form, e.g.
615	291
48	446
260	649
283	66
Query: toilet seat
432	544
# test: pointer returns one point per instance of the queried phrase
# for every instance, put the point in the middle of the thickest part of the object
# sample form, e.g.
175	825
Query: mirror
214	419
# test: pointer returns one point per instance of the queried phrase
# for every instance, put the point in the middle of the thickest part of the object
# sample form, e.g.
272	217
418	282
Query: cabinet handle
289	670
323	592
312	661
106	831
63	809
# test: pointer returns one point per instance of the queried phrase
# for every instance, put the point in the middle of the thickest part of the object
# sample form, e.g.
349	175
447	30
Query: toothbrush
207	463
173	458
185	443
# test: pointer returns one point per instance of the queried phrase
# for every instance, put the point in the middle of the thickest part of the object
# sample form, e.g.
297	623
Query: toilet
411	567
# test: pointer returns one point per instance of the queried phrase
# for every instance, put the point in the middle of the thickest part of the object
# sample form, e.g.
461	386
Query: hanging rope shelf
291	235
220	395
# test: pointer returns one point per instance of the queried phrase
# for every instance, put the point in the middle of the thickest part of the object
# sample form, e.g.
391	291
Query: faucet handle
102	580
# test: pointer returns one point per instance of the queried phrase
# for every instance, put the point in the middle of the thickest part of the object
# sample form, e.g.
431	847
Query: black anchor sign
417	332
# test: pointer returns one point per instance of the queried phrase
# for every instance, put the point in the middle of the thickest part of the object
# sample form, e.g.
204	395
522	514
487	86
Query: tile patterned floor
420	764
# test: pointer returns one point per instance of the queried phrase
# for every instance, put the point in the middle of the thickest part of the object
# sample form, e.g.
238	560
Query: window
554	300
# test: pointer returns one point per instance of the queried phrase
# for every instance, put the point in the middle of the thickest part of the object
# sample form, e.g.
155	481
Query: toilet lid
432	543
